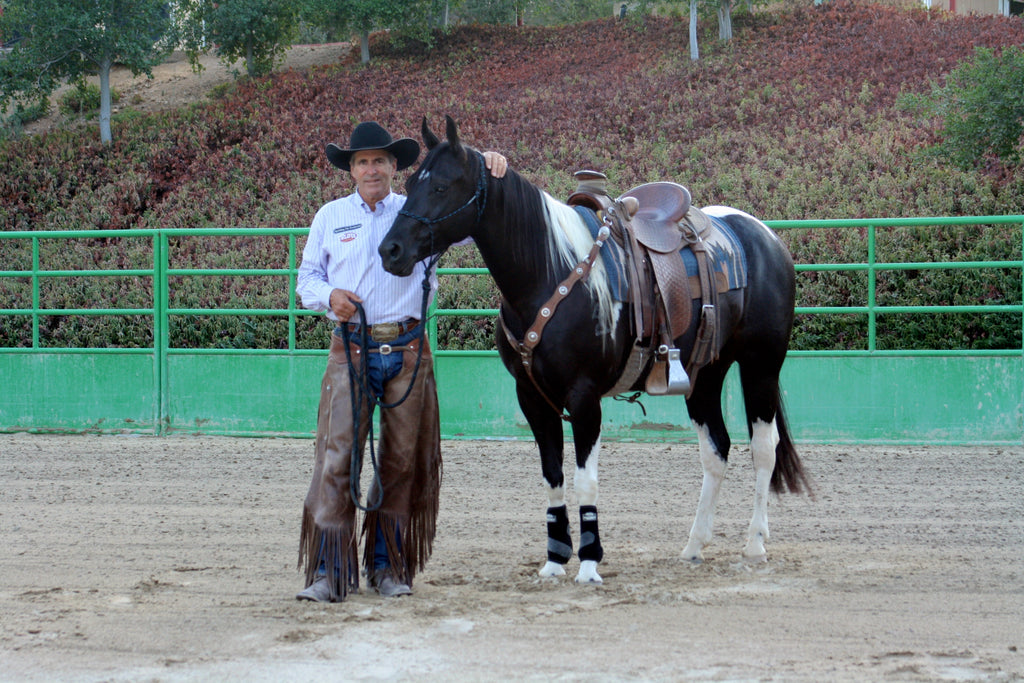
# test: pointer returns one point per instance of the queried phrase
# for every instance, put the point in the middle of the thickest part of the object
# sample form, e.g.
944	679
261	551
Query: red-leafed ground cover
795	118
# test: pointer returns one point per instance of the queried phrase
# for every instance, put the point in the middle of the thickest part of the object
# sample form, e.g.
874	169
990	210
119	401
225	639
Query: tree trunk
364	46
694	51
105	98
250	67
725	20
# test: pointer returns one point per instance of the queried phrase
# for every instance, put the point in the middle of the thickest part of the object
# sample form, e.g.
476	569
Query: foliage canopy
981	105
66	40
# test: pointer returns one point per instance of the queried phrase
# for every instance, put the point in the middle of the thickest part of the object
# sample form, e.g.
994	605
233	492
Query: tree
724	11
256	31
66	40
365	16
694	49
981	106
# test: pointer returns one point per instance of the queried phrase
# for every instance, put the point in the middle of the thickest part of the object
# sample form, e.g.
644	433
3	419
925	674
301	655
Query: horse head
445	199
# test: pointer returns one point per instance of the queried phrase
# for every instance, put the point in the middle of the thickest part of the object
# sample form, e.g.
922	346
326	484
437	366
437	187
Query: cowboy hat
370	135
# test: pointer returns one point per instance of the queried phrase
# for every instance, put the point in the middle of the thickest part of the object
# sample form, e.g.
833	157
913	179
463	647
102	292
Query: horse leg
764	437
547	431
587	436
705	407
760	392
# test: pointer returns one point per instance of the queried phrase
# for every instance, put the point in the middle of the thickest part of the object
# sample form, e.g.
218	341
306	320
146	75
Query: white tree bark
105	98
694	51
725	20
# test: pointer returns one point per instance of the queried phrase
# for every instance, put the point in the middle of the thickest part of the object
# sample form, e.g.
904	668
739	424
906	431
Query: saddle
652	224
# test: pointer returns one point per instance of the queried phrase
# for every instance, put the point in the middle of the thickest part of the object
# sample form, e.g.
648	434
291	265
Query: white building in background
1007	8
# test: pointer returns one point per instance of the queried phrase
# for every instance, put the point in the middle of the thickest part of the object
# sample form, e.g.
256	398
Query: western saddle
652	224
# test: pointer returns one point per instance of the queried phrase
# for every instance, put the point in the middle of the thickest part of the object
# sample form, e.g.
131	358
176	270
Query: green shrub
84	98
981	106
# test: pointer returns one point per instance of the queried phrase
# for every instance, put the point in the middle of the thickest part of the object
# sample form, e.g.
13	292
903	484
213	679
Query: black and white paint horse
531	242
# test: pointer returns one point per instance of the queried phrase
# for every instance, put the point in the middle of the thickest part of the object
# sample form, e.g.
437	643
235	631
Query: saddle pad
726	253
611	256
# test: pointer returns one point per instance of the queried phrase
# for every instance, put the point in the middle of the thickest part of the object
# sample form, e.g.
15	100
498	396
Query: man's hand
343	304
496	164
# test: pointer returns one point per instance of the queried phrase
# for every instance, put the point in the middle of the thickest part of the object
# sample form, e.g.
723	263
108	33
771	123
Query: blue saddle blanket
725	250
726	253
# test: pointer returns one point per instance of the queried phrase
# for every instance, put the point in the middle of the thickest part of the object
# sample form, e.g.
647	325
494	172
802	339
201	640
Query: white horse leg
714	473
585	485
764	439
556	520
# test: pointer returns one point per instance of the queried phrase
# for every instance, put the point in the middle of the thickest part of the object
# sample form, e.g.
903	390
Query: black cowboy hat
370	135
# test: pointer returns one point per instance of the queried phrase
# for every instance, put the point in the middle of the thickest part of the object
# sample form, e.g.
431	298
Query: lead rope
359	390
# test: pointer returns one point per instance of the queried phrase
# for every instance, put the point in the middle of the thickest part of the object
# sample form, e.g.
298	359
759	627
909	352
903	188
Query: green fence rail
947	395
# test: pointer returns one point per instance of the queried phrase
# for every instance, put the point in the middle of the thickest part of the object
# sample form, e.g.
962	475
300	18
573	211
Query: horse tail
788	474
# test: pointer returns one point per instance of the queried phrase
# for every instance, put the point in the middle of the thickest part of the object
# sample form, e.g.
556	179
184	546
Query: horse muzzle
395	258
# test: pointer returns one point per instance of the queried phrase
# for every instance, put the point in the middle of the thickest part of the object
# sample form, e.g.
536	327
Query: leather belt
385	332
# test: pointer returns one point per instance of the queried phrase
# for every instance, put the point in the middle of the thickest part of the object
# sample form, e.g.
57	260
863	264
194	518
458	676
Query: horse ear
453	136
428	135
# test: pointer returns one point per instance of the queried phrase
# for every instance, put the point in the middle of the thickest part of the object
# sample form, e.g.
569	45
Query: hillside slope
794	119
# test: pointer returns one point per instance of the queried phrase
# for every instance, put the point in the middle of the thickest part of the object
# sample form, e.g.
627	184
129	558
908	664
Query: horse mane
554	237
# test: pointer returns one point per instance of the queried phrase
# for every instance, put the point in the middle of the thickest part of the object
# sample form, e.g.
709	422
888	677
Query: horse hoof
694	556
551	569
588	573
755	552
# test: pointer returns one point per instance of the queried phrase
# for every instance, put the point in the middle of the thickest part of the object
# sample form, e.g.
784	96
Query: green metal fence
861	394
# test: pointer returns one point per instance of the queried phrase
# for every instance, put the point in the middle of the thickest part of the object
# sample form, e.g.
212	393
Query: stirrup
668	376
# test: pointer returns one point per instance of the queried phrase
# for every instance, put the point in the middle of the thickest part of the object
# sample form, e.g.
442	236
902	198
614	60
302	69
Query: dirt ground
174	83
172	559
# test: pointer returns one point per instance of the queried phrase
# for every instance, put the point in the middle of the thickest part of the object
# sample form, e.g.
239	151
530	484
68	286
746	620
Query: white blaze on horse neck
569	241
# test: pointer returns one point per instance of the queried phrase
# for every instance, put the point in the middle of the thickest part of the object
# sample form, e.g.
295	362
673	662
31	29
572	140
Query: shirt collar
386	201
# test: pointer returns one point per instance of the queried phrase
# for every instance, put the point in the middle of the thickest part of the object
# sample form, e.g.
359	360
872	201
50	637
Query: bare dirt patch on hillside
175	84
168	559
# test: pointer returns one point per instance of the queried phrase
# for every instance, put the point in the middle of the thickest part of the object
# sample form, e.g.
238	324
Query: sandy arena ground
173	559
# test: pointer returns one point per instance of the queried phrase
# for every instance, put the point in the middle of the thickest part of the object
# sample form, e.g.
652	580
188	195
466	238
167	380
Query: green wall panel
244	394
77	392
918	399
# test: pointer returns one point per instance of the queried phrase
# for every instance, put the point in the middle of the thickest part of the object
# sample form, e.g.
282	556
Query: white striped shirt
341	253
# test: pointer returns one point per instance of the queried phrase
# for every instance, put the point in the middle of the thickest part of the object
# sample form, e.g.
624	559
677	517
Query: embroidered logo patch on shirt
347	232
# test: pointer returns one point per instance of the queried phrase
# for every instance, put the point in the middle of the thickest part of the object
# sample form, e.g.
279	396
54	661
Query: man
341	271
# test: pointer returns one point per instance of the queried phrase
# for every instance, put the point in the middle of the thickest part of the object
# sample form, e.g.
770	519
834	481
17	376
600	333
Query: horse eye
441	189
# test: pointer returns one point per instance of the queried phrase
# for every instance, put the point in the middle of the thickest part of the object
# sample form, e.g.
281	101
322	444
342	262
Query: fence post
160	334
872	285
35	292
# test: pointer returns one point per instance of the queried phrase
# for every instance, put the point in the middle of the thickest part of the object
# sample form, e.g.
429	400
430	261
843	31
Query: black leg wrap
559	538
590	539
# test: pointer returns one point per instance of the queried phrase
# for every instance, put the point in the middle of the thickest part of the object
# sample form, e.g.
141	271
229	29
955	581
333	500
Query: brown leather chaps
409	458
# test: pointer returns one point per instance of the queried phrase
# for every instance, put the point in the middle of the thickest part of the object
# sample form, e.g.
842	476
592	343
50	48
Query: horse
531	243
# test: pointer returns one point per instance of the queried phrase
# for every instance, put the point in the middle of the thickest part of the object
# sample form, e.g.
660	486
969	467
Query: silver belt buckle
384	350
385	332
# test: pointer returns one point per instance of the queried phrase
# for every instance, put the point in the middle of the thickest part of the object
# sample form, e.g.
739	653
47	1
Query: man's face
373	170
